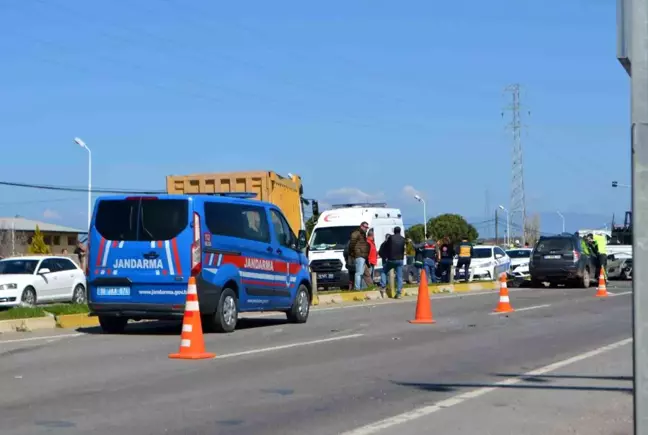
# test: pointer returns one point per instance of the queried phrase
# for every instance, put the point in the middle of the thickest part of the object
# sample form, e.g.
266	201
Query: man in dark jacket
358	253
384	257
395	251
465	255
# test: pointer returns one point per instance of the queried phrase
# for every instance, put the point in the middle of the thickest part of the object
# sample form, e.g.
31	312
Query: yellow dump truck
284	192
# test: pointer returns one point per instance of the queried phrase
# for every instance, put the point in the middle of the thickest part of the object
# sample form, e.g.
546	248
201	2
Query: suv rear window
142	220
562	244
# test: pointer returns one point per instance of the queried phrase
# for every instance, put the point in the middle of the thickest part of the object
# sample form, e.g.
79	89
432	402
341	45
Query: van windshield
331	238
141	219
562	244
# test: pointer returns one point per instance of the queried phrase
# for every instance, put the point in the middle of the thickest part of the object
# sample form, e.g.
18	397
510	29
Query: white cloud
353	194
51	214
409	192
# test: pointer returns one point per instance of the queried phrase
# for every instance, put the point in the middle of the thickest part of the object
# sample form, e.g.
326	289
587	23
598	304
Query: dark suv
562	259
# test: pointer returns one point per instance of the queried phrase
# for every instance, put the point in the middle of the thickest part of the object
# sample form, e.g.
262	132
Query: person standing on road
465	255
446	255
384	256
359	252
429	263
372	260
395	257
599	241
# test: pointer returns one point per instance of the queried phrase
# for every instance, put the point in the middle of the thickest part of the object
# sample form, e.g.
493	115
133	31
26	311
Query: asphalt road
342	372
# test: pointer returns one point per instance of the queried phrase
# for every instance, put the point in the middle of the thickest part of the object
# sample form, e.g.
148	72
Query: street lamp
82	144
563	220
508	226
421	200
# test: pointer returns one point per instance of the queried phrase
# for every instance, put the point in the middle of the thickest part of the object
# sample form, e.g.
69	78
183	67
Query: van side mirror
301	240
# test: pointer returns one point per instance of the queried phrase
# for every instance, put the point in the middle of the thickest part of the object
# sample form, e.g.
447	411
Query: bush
22	313
61	309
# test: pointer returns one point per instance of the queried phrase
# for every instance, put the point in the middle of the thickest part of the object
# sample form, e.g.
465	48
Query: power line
78	189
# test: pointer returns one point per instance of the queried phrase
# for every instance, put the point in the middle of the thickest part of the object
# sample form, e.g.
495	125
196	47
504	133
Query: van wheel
536	284
301	307
585	280
113	325
226	315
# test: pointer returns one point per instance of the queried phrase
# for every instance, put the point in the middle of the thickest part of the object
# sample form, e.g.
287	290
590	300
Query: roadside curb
26	325
69	321
372	295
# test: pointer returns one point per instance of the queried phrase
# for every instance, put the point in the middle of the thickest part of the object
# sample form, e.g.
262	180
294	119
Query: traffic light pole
639	80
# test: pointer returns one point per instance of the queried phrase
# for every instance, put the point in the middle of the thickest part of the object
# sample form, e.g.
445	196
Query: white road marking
48	337
286	346
619	294
535	307
456	400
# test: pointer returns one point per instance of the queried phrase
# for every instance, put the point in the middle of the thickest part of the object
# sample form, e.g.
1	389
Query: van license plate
325	276
552	257
113	291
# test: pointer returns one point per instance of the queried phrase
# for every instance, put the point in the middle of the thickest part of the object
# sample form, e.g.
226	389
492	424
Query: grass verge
62	309
22	313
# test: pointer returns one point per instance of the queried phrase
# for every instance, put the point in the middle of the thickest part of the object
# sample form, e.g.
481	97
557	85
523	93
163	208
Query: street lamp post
563	220
421	200
82	144
508	226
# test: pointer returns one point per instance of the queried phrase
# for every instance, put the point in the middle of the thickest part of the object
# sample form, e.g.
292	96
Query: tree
310	224
37	245
532	229
415	233
453	226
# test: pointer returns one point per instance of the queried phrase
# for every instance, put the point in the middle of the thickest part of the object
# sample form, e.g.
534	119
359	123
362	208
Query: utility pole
517	206
639	79
496	229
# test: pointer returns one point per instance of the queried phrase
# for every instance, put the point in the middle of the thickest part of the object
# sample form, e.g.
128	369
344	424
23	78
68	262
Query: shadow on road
547	378
175	327
452	387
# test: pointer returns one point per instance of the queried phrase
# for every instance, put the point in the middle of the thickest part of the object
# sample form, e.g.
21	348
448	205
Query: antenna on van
241	195
361	204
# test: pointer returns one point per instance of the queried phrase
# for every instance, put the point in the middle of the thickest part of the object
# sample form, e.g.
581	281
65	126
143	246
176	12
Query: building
16	235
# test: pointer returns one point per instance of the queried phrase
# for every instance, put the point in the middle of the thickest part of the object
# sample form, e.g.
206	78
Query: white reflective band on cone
187	328
192	306
191	290
185	343
504	299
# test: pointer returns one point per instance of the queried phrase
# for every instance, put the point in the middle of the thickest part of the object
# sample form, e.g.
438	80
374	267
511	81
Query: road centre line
456	400
47	337
535	307
619	294
286	346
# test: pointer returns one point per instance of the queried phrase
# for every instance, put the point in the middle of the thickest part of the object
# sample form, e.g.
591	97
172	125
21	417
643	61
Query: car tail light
87	258
576	256
196	251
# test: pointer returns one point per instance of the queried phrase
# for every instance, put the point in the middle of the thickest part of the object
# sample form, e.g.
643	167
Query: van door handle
279	251
269	249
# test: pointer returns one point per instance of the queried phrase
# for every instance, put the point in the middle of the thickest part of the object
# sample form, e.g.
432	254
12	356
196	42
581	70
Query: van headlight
8	286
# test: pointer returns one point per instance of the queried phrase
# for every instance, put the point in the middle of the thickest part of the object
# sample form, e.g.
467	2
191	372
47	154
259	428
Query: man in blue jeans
395	252
358	254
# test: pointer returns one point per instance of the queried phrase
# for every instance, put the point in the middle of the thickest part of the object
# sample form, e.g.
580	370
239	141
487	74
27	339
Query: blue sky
364	99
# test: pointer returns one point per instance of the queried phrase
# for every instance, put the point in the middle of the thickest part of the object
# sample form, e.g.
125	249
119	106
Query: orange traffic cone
192	344
423	304
504	305
601	291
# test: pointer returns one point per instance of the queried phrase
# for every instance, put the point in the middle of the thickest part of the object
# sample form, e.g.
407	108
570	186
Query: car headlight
8	286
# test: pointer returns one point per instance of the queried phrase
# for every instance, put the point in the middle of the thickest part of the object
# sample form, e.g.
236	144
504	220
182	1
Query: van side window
237	220
282	229
499	251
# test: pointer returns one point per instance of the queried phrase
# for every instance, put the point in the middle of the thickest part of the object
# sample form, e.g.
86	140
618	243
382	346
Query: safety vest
601	243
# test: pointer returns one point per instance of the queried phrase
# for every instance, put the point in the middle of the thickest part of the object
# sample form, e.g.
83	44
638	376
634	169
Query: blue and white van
242	253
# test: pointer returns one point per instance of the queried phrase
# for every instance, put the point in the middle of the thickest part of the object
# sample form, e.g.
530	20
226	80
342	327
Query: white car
487	262
36	279
520	259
